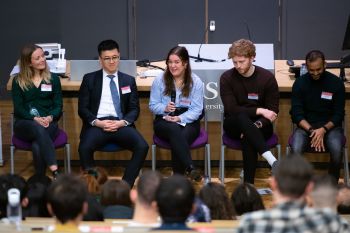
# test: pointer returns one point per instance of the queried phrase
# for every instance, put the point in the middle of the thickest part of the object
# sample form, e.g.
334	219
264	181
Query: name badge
126	90
326	95
253	96
46	87
185	102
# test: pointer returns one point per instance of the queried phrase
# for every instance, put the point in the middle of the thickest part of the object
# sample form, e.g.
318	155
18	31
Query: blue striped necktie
115	96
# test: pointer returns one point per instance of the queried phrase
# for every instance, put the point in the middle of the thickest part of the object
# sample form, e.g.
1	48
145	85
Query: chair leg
207	162
222	165
12	163
287	150
153	157
67	167
346	166
278	146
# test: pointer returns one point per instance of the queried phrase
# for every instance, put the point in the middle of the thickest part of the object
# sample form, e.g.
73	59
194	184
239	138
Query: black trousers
253	141
42	142
180	139
126	137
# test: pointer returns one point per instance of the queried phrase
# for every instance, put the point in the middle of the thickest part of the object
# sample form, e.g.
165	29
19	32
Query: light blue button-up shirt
194	102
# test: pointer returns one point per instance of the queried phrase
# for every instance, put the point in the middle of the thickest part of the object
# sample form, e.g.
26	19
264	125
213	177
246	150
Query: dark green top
47	99
318	101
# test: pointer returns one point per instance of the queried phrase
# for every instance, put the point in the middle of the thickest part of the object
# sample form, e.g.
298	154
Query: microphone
248	31
199	59
172	99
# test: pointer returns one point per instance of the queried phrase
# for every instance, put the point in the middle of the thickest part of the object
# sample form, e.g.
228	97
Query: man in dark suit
108	106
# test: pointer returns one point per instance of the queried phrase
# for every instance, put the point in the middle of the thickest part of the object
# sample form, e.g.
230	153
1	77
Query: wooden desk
143	84
285	79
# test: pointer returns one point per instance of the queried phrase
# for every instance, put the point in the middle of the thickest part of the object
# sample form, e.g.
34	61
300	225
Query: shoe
55	174
194	174
274	167
241	176
92	172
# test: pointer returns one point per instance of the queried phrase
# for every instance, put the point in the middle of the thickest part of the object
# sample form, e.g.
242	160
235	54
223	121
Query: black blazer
90	95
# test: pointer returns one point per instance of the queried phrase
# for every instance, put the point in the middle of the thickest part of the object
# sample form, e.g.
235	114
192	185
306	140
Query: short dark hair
106	45
38	185
175	197
116	192
7	182
67	196
245	198
293	174
147	186
313	55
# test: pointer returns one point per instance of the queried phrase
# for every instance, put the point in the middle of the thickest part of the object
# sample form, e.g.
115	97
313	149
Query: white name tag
126	90
326	95
253	96
46	87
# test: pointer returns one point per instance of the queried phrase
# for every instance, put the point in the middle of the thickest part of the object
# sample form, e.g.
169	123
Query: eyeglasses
110	59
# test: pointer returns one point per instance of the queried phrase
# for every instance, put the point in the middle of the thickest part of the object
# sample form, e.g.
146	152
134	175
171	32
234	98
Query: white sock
269	157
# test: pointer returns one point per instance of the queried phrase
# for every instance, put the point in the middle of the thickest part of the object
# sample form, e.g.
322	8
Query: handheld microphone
172	99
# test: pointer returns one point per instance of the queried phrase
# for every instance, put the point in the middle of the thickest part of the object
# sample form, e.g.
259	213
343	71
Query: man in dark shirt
318	101
251	100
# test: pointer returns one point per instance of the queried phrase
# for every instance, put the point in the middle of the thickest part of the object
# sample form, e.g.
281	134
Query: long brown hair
182	53
26	70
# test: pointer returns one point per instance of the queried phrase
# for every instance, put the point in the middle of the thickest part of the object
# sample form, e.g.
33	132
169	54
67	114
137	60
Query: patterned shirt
293	217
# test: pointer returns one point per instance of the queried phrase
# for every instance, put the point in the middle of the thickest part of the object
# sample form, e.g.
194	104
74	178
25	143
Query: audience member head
324	192
175	198
344	199
178	57
67	199
242	48
37	196
245	198
147	186
217	200
292	179
7	182
115	192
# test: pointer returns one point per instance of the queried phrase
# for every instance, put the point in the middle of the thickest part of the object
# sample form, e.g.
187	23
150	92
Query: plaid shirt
293	217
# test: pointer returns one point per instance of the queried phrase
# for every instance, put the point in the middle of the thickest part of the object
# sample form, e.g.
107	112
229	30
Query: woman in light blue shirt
177	102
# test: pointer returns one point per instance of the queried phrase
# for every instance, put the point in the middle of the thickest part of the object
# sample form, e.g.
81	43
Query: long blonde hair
24	78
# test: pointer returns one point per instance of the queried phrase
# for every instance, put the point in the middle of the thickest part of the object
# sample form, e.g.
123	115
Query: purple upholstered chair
235	144
312	150
201	141
61	141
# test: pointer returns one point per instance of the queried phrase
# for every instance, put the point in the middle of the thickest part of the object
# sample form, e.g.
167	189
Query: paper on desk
264	191
55	66
15	70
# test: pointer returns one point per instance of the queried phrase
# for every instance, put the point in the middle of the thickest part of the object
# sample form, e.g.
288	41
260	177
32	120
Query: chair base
67	159
222	161
207	160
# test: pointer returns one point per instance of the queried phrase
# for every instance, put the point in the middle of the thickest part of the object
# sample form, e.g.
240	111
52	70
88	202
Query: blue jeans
333	144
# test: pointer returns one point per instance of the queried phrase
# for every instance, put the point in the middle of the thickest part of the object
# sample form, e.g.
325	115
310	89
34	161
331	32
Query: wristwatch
126	123
310	130
258	124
